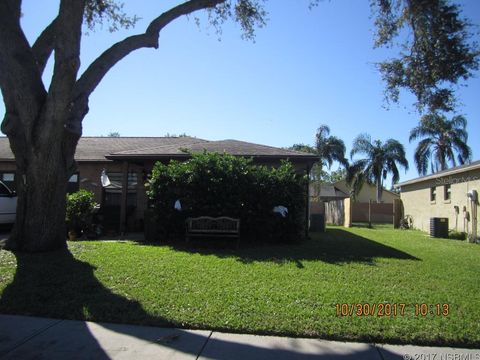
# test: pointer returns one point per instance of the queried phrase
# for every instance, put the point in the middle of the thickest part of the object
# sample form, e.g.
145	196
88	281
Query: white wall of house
418	202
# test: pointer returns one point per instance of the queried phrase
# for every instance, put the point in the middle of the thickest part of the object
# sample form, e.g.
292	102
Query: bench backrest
210	224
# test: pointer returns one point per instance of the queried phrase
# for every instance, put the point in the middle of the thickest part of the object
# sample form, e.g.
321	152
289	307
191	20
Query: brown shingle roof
452	171
327	192
233	147
104	148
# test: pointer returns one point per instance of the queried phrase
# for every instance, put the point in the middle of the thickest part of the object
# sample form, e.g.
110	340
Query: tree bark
36	122
379	191
44	127
41	188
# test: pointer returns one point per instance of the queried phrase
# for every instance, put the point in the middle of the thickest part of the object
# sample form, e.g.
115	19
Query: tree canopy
380	159
329	149
437	51
440	139
43	123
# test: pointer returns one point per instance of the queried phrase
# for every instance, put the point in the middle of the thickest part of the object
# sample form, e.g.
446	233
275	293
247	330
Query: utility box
317	222
439	227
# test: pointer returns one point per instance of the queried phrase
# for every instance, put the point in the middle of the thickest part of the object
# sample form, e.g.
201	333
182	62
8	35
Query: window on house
113	192
433	193
73	184
447	192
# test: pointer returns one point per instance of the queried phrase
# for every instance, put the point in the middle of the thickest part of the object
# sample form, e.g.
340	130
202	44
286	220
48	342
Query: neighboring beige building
368	192
329	199
443	194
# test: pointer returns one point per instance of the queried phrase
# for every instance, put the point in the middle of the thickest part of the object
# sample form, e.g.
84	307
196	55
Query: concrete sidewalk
23	337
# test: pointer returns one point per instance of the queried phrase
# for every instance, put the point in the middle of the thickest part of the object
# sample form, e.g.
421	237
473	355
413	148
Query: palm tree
329	148
441	139
381	159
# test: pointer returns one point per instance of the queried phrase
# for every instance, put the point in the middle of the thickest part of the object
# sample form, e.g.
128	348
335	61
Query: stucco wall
367	193
416	199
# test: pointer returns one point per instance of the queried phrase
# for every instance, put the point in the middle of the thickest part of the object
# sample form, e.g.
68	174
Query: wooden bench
206	226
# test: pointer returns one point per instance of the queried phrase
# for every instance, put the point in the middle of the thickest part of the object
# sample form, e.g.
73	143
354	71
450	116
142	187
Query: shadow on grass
56	285
335	246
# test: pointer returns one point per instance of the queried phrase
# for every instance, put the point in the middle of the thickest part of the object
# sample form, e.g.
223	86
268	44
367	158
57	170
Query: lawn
288	290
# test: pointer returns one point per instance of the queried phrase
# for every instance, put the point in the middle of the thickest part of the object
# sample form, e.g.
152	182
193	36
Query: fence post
370	213
347	209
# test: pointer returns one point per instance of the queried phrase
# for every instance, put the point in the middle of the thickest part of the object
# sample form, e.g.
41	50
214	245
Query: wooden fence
372	212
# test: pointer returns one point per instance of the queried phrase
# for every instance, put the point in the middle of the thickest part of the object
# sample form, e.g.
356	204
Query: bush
212	184
457	235
80	207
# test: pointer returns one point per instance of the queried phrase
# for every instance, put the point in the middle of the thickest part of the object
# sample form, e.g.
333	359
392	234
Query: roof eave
438	175
307	158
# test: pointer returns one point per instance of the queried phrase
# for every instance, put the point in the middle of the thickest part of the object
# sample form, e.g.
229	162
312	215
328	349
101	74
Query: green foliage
437	52
440	140
80	206
304	148
329	148
212	184
250	14
288	290
457	235
380	160
98	11
334	176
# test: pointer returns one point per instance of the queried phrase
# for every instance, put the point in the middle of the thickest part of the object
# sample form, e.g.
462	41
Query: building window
113	192
447	192
433	194
73	184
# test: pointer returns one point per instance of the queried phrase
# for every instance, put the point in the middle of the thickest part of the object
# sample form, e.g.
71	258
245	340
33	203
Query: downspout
307	207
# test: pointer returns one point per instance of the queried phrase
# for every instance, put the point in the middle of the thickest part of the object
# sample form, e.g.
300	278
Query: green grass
288	290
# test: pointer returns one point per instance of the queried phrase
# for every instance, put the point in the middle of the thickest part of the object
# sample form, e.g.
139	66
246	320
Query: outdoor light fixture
473	195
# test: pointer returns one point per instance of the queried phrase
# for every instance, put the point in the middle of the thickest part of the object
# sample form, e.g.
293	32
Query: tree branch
43	46
14	8
99	68
21	83
66	42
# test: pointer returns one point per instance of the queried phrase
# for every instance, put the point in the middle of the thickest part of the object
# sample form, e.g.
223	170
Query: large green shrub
80	207
212	184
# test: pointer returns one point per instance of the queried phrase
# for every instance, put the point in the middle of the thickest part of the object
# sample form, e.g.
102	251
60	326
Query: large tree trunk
379	191
44	126
41	188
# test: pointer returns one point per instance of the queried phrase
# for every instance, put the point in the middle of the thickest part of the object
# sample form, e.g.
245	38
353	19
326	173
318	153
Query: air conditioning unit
439	227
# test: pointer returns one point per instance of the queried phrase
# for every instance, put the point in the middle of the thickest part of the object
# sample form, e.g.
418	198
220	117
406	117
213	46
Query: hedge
212	184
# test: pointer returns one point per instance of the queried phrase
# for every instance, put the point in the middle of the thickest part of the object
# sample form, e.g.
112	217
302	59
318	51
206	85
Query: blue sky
306	68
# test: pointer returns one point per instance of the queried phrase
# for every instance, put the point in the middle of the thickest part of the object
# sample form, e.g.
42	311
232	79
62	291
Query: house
327	199
452	194
129	160
368	192
333	196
